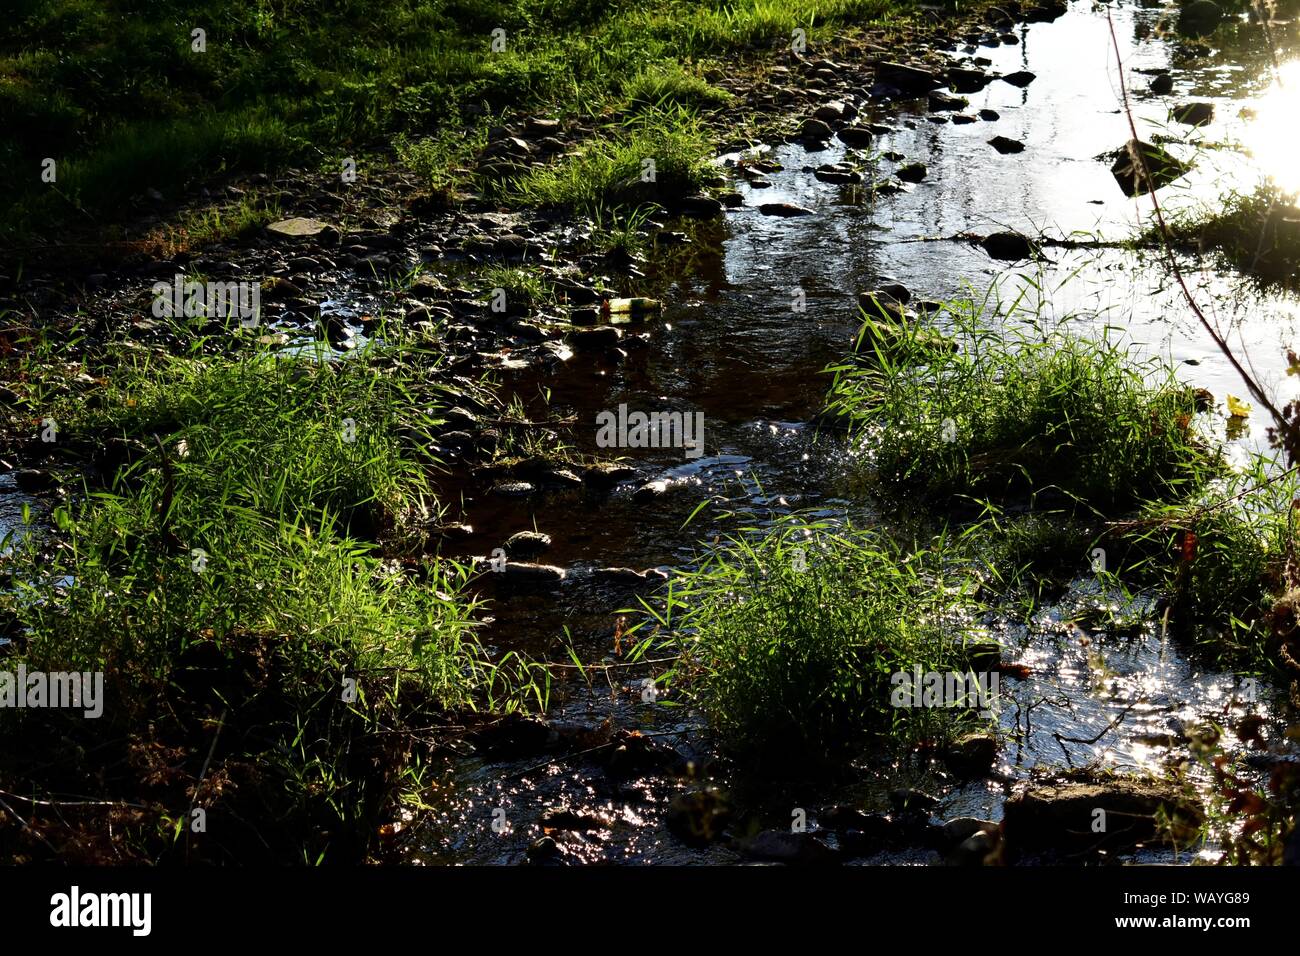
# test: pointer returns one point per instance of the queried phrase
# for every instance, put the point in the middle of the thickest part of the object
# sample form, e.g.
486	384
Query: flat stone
297	228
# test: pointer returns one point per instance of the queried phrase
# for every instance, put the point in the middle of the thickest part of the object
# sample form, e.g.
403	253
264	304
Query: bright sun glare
1273	136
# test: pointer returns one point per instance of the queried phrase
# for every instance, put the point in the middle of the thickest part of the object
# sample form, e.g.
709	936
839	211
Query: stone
1143	167
1062	814
907	79
964	80
1020	78
527	544
942	102
1196	113
1006	145
698	206
912	172
605	475
858	137
296	228
1008	246
815	130
783	209
1199	18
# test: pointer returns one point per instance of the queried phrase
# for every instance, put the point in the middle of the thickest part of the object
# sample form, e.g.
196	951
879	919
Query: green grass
1257	232
115	93
522	284
613	172
670	84
1019	411
1226	562
264	547
789	637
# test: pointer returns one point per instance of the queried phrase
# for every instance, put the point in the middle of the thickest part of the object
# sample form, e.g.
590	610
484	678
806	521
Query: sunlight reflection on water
1273	136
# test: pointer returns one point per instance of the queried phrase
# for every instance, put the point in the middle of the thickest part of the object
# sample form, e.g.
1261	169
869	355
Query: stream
731	346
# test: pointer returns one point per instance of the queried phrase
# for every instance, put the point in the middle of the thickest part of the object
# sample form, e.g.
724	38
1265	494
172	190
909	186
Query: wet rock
697	207
586	316
897	291
1199	18
626	577
1062	814
699	817
907	79
605	475
527	544
837	174
1046	12
989	115
942	102
521	574
513	489
1193	114
731	199
963	119
815	130
836	111
983	655
1143	167
599	339
880	304
887	187
860	833
783	209
1009	246
278	288
1162	85
965	80
1006	145
858	137
562	478
794	849
1020	78
33	481
971	757
912	172
566	818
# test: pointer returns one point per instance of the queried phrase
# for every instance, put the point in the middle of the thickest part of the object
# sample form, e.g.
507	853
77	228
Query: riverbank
469	292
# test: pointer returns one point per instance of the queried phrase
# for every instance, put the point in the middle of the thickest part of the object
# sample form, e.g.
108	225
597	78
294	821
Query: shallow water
732	345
